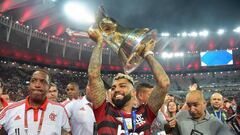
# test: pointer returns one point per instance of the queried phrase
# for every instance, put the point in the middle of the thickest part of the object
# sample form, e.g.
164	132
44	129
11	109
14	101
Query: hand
149	45
172	122
95	34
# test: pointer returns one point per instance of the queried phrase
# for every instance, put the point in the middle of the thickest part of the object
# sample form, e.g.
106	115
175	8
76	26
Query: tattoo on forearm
162	82
97	90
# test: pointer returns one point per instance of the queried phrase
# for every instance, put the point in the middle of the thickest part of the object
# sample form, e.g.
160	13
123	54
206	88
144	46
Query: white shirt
81	116
12	118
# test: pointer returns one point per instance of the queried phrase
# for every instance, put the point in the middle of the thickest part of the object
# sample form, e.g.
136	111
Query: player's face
39	86
52	93
72	91
121	92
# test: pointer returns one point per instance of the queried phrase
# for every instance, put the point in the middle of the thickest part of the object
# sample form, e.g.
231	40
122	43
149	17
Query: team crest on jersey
52	116
139	120
17	117
82	109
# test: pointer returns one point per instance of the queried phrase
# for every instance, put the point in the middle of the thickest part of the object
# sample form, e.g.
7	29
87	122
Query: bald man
215	109
196	120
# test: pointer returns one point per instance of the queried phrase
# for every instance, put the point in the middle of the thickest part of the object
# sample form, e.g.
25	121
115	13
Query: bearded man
122	117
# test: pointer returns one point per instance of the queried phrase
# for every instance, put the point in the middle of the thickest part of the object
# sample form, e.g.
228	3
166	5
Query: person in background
73	92
171	109
53	92
6	97
162	119
215	108
196	120
3	102
144	91
227	107
168	98
81	115
234	121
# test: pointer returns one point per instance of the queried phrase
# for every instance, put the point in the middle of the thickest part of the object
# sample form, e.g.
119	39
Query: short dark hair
44	71
1	83
53	85
74	84
143	85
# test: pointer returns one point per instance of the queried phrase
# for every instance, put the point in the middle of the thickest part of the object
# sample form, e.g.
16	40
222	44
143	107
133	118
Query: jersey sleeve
100	112
68	108
65	121
150	115
3	118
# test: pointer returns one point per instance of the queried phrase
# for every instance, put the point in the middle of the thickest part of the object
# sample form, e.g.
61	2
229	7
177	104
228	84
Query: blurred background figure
227	107
3	102
215	108
6	97
53	92
234	121
73	92
144	90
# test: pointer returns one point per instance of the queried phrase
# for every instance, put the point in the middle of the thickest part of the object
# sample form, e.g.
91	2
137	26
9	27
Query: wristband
148	53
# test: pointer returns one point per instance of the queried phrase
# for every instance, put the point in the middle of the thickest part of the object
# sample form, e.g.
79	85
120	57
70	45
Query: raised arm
159	92
97	91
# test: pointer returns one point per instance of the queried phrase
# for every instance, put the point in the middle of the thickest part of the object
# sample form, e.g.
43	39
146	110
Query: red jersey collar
42	107
4	102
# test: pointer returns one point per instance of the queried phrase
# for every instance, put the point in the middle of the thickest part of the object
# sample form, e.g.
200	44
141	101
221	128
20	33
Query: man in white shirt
73	92
36	115
81	116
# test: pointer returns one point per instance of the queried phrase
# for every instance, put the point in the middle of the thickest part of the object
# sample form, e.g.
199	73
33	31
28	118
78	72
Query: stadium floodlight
193	34
184	34
178	34
164	55
165	34
237	30
178	54
78	12
203	33
220	31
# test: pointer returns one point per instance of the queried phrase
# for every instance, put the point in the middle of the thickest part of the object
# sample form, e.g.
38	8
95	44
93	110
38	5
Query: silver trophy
127	43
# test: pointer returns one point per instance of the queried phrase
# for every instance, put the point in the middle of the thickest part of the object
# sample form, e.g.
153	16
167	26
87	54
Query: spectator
197	121
168	98
3	102
53	92
234	121
161	120
6	97
143	90
122	118
215	108
81	116
22	117
227	107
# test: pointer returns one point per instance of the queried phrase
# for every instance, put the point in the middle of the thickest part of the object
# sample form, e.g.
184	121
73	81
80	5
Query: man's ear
133	93
205	104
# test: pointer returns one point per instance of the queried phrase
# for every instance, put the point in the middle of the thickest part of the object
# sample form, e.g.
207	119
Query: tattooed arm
156	99
97	91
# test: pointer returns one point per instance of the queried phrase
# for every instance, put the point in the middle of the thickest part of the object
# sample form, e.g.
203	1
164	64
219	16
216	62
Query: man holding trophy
122	117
